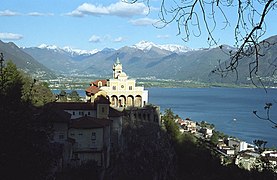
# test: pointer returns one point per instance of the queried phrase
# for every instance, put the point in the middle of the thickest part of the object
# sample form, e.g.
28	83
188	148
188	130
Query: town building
188	125
207	132
248	160
238	144
91	140
85	131
120	90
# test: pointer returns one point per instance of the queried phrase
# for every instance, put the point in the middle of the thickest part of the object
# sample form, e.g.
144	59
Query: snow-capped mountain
68	49
79	51
45	46
146	46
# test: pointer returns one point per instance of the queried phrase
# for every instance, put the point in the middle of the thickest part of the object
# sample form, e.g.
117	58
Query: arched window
100	84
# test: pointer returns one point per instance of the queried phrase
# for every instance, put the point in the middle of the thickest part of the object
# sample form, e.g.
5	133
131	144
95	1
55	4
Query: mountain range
24	61
144	59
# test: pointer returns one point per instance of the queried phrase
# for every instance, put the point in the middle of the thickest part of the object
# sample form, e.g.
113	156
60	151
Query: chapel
120	90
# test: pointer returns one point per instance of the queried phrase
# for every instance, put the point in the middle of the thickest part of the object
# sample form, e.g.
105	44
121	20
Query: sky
98	24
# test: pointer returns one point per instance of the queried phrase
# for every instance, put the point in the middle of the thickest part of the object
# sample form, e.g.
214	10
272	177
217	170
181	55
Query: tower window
93	136
114	87
130	88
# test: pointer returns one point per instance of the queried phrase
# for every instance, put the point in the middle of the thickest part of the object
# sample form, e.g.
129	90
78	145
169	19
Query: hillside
24	61
266	66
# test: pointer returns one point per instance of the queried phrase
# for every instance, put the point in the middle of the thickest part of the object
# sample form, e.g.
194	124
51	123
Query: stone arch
114	101
130	100
121	101
138	101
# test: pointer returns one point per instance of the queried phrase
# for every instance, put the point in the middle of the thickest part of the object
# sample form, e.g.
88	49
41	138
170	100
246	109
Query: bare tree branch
194	17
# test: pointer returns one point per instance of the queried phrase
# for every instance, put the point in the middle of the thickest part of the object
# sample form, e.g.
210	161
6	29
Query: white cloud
119	39
143	22
12	13
10	36
118	9
163	36
40	14
8	13
95	39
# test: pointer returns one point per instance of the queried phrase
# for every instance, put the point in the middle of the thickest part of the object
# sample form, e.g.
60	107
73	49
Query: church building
121	91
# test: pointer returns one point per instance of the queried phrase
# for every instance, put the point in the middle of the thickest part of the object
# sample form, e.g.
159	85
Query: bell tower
117	68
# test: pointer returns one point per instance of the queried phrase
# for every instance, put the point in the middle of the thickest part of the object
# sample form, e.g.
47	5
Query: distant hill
24	61
267	66
146	59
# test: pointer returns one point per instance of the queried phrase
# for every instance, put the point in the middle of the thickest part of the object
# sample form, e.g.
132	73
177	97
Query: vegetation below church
26	152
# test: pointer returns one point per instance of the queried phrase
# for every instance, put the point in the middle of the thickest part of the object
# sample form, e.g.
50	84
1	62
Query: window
61	136
75	156
130	88
80	134
93	140
114	87
122	86
103	109
88	113
72	134
93	136
73	113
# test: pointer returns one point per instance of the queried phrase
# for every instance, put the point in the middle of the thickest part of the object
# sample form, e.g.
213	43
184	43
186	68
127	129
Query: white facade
123	92
238	145
91	144
80	113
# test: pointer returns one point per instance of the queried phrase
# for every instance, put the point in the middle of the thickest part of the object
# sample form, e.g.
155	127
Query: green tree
74	96
260	144
11	86
36	92
62	96
25	151
214	138
170	125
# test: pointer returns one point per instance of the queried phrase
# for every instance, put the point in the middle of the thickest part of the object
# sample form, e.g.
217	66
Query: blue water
229	109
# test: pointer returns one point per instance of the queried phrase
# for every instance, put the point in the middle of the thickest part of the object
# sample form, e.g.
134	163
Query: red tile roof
95	83
72	105
92	89
53	114
88	122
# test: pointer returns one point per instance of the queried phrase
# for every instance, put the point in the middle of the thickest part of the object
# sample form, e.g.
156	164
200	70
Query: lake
229	109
